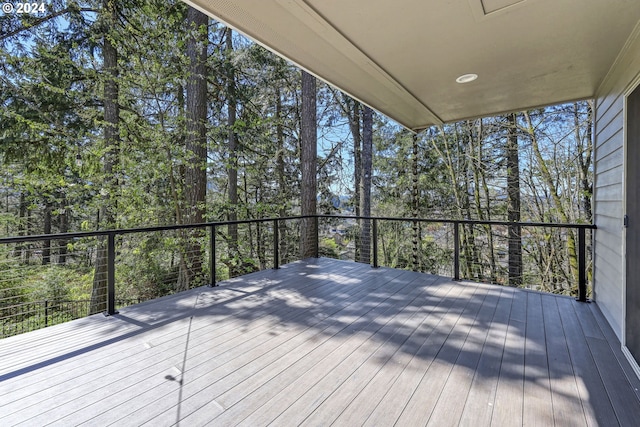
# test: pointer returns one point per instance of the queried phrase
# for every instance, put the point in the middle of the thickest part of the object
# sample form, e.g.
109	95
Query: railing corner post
276	245
582	266
456	250
374	237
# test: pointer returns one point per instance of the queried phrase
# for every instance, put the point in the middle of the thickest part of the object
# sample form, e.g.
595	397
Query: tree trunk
365	188
513	203
354	125
46	249
585	148
196	115
196	148
232	167
415	203
111	142
282	185
308	166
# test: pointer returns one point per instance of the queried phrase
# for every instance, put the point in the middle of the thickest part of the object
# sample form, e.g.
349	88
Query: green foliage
147	267
329	248
52	284
11	289
239	265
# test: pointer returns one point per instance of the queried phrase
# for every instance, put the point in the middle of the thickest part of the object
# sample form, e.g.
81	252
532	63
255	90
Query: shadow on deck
324	341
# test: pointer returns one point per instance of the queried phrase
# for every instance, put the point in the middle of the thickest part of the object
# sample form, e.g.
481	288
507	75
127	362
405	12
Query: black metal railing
554	257
574	250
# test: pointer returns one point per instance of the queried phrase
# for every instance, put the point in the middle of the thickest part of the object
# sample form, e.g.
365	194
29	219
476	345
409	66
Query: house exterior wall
609	185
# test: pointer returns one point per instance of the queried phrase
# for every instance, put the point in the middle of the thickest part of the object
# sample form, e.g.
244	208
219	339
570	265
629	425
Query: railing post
276	246
46	313
212	255
317	248
374	232
582	266
456	251
111	274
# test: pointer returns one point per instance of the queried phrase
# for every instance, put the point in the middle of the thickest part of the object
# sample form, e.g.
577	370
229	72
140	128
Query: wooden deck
321	343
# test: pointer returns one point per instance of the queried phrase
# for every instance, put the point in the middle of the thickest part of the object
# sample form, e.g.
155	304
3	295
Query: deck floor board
326	342
567	405
451	401
538	404
479	405
509	401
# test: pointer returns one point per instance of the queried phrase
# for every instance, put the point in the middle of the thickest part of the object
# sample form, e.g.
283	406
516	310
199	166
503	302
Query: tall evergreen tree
232	149
191	272
107	211
308	165
365	187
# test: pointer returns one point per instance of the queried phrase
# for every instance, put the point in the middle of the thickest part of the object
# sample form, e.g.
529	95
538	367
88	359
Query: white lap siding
609	183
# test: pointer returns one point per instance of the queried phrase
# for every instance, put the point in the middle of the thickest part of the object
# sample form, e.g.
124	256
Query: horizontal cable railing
548	257
49	279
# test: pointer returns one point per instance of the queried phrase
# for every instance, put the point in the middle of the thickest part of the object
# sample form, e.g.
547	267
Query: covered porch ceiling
402	57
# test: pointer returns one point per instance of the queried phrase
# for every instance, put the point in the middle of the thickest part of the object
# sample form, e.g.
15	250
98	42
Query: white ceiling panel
402	57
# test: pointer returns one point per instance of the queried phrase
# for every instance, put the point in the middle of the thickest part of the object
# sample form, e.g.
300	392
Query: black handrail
463	221
122	231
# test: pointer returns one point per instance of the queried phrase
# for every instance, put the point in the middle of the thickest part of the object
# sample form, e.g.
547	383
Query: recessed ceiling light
466	78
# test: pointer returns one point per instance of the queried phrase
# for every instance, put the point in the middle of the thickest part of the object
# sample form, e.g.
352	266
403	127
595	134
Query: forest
143	113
